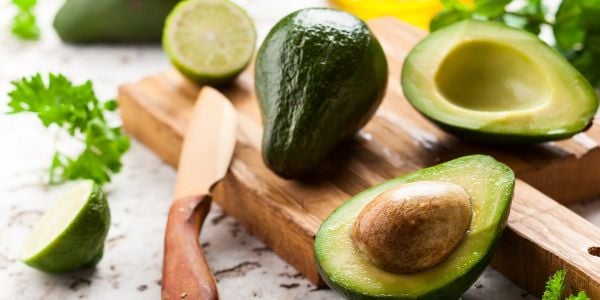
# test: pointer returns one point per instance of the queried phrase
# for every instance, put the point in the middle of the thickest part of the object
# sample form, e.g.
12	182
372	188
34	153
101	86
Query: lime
70	235
209	41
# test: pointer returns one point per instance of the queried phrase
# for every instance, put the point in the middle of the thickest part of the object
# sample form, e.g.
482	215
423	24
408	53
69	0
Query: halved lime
71	234
209	41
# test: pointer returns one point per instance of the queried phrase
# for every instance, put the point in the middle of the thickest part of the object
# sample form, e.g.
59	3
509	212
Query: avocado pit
414	226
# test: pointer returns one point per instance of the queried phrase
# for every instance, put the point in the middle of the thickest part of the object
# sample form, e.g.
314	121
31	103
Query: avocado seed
414	226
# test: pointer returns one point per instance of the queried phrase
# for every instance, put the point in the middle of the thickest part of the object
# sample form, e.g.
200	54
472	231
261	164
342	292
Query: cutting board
542	235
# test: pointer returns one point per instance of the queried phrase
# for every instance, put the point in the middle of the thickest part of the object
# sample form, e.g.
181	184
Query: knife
205	157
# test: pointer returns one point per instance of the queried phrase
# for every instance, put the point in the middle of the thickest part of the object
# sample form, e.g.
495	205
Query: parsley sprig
576	25
555	288
24	24
75	109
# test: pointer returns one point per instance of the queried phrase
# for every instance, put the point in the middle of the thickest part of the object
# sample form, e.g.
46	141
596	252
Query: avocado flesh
320	75
490	185
492	83
91	21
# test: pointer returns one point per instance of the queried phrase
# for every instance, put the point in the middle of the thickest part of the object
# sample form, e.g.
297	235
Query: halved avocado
492	83
490	185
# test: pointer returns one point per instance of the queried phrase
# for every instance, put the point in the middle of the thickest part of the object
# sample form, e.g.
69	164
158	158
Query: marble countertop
139	196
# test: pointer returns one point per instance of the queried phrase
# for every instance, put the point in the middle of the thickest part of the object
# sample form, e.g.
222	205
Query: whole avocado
320	76
91	21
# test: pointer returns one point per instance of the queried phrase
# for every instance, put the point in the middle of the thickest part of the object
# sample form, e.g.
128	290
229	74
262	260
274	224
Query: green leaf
534	8
591	13
448	17
454	11
111	105
24	4
534	13
24	23
454	4
75	109
555	286
577	33
581	296
491	9
588	63
25	26
568	26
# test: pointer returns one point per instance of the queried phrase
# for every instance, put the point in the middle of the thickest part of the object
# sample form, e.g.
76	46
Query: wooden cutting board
542	235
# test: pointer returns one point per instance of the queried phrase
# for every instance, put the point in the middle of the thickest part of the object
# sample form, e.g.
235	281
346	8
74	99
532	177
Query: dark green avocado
90	21
343	267
320	75
487	82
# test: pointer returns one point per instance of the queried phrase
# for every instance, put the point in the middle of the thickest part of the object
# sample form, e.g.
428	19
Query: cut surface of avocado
494	83
490	185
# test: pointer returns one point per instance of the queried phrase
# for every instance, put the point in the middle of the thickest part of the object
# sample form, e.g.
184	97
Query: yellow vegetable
416	12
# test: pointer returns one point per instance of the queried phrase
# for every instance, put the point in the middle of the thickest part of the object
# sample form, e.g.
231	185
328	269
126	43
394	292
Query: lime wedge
70	235
209	41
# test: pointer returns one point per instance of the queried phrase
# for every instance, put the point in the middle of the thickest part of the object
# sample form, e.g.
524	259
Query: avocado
89	21
347	268
320	75
491	83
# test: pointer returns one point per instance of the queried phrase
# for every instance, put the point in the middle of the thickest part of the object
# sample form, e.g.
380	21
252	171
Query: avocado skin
320	76
453	291
496	138
91	21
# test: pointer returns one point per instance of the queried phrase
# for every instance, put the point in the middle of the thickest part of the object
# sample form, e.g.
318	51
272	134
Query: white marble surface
139	196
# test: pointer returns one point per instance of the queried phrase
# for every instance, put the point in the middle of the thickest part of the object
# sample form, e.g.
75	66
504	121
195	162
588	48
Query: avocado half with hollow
492	83
381	244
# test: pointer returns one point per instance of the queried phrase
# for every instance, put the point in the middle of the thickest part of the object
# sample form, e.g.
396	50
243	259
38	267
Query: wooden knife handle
186	274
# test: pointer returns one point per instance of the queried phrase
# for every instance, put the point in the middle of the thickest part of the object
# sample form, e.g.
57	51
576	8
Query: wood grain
542	235
545	236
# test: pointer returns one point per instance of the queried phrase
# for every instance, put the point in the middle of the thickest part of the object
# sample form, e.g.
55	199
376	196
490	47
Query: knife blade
206	153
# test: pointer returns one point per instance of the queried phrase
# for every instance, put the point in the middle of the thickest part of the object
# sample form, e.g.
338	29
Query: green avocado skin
450	292
503	139
92	21
320	76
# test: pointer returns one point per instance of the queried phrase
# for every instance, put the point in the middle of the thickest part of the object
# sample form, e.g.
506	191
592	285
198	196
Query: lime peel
71	234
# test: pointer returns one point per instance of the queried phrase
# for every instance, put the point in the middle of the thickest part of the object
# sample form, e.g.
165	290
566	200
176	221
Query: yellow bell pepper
416	12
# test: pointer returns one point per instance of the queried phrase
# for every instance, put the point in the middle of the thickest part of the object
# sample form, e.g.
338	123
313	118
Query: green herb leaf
568	29
25	26
577	32
581	296
76	109
534	14
24	23
24	4
448	17
555	286
490	9
453	12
